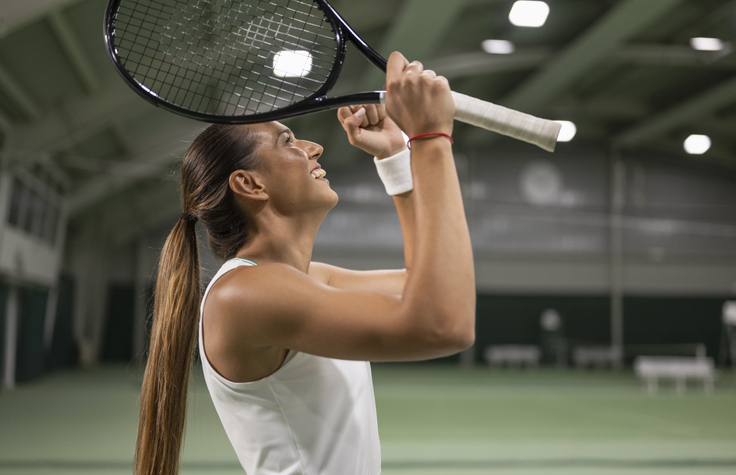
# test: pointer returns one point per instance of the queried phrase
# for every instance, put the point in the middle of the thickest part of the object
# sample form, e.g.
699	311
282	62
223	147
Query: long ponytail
165	383
207	165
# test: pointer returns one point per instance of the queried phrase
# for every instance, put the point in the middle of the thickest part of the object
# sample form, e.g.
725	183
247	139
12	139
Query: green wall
3	303
30	351
63	352
118	343
514	319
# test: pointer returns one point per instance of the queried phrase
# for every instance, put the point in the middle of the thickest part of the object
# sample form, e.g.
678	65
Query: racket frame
316	102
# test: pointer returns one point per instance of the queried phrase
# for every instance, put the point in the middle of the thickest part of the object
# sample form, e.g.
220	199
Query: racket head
216	60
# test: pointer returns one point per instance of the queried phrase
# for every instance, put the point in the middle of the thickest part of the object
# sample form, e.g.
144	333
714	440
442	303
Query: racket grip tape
487	115
499	119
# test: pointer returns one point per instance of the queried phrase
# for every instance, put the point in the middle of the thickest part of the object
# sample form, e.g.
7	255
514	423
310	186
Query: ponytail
165	383
206	196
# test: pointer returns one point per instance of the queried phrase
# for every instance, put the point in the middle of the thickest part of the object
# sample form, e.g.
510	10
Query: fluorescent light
498	46
529	13
707	44
697	144
567	132
292	63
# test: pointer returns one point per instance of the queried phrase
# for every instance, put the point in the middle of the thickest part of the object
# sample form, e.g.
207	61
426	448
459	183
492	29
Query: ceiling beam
716	155
73	49
16	14
81	117
688	112
4	123
477	63
122	218
18	95
416	32
625	20
148	160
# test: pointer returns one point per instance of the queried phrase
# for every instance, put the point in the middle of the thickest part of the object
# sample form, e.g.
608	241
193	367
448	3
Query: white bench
512	355
596	356
653	368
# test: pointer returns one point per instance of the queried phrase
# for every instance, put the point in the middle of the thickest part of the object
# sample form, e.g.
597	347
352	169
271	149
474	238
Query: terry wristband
395	172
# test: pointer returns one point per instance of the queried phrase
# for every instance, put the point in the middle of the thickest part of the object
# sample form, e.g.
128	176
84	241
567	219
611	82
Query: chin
334	199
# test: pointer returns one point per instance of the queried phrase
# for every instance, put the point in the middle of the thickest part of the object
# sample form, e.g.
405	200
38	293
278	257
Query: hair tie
188	217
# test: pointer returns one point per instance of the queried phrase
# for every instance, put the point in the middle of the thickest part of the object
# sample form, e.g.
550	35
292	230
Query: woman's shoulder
254	286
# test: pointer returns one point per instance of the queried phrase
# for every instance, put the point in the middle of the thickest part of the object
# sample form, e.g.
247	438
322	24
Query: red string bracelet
429	134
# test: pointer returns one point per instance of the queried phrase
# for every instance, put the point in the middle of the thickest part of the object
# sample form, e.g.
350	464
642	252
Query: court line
397	464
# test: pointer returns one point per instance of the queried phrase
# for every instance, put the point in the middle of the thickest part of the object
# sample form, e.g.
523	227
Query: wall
541	227
541	223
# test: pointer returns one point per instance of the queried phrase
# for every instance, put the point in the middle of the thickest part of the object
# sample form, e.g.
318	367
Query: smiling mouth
318	173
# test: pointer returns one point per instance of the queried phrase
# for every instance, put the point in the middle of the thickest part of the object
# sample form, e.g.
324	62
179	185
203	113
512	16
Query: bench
596	356
653	368
512	355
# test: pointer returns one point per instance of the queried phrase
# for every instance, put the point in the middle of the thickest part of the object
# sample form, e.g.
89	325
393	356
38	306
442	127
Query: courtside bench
679	369
597	356
512	355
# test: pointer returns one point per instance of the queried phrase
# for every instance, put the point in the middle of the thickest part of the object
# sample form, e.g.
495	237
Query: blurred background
604	335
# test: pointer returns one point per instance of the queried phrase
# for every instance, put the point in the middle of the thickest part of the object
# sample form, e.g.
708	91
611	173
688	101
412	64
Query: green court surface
433	420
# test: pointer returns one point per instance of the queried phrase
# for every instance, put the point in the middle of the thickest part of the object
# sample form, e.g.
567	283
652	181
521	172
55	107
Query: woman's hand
371	129
418	100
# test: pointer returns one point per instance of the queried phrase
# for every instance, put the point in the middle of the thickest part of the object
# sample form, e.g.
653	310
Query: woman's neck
283	240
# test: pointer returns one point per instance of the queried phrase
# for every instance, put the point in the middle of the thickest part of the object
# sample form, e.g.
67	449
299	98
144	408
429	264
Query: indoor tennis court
604	272
433	419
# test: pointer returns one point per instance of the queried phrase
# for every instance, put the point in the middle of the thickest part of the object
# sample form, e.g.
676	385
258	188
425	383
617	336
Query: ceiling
622	70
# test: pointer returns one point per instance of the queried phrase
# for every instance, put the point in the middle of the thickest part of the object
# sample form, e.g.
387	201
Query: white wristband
395	172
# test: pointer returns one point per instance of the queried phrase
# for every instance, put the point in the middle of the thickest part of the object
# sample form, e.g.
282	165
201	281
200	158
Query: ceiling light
567	132
707	44
529	13
498	46
697	144
292	63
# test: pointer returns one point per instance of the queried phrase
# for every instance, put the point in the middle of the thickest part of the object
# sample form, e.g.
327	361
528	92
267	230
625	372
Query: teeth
319	173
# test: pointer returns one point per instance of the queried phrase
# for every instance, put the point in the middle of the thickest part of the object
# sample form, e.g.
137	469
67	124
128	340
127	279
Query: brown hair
206	168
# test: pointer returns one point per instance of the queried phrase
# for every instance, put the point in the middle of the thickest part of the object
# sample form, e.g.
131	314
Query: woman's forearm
441	283
405	209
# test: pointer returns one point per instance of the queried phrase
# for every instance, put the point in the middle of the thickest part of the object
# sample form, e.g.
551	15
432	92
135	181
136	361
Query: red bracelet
429	134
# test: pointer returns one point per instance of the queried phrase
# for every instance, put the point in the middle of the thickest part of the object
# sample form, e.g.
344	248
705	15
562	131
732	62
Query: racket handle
540	132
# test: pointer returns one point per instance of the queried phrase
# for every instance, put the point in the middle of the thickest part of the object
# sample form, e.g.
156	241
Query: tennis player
285	342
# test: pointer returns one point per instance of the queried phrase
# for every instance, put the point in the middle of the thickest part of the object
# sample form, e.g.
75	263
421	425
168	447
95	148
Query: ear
248	185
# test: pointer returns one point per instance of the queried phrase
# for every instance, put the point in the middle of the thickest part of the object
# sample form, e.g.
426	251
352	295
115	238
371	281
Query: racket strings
225	58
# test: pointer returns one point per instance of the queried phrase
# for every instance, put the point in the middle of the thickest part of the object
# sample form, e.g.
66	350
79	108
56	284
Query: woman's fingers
418	101
372	114
395	66
414	67
351	122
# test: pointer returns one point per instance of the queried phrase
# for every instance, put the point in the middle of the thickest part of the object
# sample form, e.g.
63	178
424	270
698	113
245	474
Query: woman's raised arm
276	305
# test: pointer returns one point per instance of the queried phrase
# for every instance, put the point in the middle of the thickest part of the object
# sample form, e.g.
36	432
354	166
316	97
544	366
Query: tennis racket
246	61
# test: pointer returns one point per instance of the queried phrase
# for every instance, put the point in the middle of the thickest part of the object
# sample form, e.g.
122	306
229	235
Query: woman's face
289	169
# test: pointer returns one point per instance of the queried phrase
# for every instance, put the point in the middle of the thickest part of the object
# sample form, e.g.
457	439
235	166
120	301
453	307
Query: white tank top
313	416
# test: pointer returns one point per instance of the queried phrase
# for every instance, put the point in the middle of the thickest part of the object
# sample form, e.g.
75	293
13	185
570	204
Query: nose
313	150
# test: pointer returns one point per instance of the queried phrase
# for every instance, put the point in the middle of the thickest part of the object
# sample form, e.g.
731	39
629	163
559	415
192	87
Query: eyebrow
278	135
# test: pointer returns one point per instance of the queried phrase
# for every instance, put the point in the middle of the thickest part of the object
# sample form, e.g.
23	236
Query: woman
284	342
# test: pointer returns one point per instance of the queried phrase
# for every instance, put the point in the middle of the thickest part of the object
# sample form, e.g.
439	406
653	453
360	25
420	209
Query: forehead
272	127
266	131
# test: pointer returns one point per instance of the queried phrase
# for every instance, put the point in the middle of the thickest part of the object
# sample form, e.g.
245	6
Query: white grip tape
487	115
395	172
540	132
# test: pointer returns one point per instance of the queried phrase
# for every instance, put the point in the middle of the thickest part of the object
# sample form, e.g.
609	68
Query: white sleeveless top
313	416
